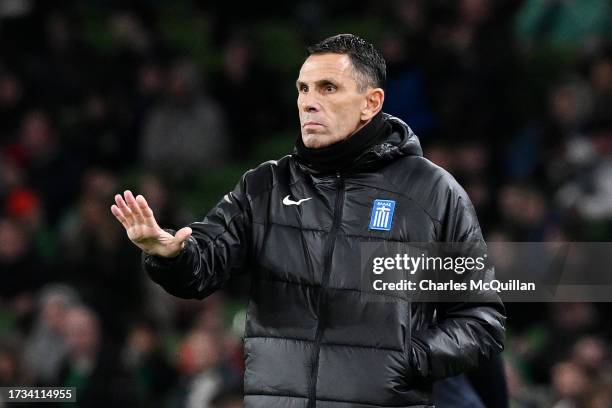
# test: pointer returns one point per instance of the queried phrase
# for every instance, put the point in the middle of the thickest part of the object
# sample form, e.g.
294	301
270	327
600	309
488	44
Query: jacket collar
397	140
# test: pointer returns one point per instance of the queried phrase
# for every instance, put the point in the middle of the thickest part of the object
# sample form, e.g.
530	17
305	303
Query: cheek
348	117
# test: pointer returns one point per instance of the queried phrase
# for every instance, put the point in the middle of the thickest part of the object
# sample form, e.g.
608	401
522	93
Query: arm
200	258
466	333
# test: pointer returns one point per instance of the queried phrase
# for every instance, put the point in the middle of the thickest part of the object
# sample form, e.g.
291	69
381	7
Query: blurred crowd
175	99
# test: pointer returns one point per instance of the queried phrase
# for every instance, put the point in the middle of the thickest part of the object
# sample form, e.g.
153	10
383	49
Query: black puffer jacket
310	340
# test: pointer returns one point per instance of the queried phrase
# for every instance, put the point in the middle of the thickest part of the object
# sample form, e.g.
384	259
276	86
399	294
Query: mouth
311	123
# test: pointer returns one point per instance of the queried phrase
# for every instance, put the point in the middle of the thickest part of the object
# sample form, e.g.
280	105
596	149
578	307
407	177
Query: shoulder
267	175
434	188
421	175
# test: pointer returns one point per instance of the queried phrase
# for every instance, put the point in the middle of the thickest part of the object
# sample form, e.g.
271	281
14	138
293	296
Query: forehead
338	66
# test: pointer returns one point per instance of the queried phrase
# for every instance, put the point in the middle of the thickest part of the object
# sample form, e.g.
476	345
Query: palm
142	229
147	235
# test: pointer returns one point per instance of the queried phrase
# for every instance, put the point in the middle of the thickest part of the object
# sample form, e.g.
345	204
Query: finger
119	215
131	202
146	211
182	235
125	210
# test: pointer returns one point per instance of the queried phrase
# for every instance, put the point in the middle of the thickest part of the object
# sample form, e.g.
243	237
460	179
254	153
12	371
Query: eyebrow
323	81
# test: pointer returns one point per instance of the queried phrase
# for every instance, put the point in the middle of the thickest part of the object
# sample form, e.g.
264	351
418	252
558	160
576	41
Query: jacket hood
402	141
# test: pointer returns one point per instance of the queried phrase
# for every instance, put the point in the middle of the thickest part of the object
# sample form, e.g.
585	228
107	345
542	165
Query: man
296	224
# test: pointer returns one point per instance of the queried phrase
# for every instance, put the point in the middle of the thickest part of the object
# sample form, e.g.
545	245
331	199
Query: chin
311	140
318	140
314	141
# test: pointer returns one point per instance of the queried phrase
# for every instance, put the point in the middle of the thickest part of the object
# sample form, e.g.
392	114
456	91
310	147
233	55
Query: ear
374	100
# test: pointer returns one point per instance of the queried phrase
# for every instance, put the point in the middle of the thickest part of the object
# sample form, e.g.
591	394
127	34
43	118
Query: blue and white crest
382	215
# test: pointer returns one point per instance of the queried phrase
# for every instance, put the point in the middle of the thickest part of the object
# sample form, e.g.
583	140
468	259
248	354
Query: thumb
182	235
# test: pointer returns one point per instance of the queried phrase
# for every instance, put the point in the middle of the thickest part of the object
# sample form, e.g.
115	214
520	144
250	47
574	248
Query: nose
308	103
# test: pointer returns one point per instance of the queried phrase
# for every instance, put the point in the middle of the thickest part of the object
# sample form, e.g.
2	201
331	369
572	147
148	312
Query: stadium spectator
92	365
187	131
45	347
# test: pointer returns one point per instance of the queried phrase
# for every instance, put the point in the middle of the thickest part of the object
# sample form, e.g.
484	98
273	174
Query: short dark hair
367	61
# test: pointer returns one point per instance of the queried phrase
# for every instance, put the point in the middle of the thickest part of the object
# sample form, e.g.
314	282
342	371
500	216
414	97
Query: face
330	104
81	332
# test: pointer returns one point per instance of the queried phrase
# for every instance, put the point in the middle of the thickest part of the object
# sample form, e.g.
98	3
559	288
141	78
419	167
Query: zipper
312	402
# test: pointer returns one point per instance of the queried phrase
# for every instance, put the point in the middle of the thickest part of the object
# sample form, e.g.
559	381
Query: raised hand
137	218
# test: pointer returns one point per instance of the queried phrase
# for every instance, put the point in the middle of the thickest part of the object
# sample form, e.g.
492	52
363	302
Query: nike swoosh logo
288	201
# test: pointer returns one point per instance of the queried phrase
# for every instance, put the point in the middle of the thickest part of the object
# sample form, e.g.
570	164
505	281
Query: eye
303	88
330	88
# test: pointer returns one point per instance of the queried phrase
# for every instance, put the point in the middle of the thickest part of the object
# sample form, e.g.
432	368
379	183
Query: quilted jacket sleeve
217	248
464	333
